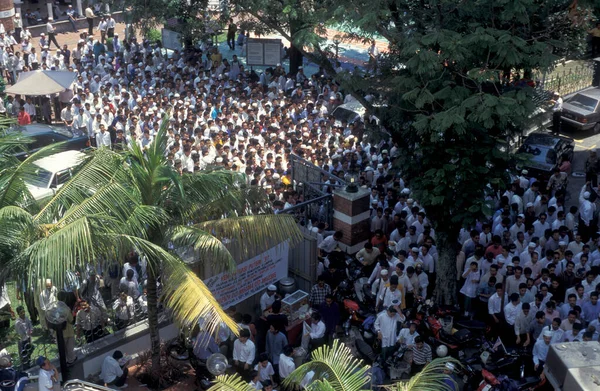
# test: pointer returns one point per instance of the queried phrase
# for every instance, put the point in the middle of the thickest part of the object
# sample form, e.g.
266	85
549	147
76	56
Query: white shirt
328	244
494	304
103	139
387	326
110	369
409	338
266	301
540	351
45	381
243	352
125	311
317	330
264	373
286	365
586	208
510	312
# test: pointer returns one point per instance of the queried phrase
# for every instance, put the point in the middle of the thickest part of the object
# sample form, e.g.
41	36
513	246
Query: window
61	178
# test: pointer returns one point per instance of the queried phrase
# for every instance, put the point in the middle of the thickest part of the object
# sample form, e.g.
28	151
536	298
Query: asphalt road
584	143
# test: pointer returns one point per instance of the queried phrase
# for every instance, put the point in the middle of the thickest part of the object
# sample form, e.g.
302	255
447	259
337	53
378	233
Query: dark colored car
542	153
44	135
582	110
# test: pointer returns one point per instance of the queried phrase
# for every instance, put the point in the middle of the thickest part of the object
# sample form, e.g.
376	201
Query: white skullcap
415	249
450	366
531	245
586	195
384	272
529	204
548	333
272	288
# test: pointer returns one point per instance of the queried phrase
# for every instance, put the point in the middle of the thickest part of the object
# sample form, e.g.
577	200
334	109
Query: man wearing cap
540	351
268	298
389	294
450	380
386	325
48	375
586	213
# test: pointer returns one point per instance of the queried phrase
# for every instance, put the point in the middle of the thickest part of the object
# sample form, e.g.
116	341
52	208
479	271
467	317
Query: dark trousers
52	39
416	368
90	26
592	177
30	303
119	381
18	34
110	33
231	41
556	122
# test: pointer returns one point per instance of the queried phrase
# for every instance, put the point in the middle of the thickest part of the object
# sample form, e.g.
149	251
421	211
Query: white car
52	172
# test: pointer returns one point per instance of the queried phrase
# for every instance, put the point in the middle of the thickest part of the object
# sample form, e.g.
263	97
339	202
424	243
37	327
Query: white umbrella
42	82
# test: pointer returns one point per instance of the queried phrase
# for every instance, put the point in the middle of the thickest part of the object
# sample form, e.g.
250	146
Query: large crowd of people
531	271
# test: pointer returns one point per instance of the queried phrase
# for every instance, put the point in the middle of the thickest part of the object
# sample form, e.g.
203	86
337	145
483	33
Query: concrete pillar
79	9
7	11
49	5
352	216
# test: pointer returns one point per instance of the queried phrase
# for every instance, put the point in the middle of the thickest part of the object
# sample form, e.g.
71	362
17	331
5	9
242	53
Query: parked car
542	153
582	110
52	172
44	135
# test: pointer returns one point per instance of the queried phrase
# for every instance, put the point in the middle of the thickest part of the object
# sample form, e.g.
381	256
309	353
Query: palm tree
336	369
119	201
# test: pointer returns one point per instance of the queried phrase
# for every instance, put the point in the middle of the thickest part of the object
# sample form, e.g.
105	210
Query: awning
42	82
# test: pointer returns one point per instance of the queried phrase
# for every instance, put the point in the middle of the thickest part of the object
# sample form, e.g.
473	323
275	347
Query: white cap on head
548	333
562	243
529	204
272	288
384	272
531	245
586	195
48	281
524	172
450	366
415	249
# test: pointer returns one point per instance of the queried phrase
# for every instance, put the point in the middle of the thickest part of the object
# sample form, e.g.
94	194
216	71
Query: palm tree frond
207	247
248	236
230	383
191	300
431	378
336	365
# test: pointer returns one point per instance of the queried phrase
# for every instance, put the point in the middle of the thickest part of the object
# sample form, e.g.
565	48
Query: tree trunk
445	290
295	54
153	324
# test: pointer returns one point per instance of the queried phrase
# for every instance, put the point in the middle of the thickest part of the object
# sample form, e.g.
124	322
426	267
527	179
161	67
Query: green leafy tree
136	200
452	86
187	17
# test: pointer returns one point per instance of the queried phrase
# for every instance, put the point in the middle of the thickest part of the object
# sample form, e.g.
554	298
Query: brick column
7	11
352	216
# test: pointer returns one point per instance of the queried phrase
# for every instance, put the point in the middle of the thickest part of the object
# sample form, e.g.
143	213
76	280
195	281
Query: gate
303	263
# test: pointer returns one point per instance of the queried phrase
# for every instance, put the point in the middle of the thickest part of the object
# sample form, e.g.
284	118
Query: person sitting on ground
114	371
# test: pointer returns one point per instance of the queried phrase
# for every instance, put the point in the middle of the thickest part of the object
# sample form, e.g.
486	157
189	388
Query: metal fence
569	80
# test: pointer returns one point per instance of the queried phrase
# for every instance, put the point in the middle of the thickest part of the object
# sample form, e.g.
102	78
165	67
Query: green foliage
154	35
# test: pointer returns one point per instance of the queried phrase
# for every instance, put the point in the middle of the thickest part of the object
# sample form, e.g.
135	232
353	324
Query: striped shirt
422	356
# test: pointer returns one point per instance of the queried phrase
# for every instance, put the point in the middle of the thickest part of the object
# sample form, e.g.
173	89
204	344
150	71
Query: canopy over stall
42	82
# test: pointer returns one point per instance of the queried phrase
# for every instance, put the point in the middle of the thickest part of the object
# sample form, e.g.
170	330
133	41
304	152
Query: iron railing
319	209
570	80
